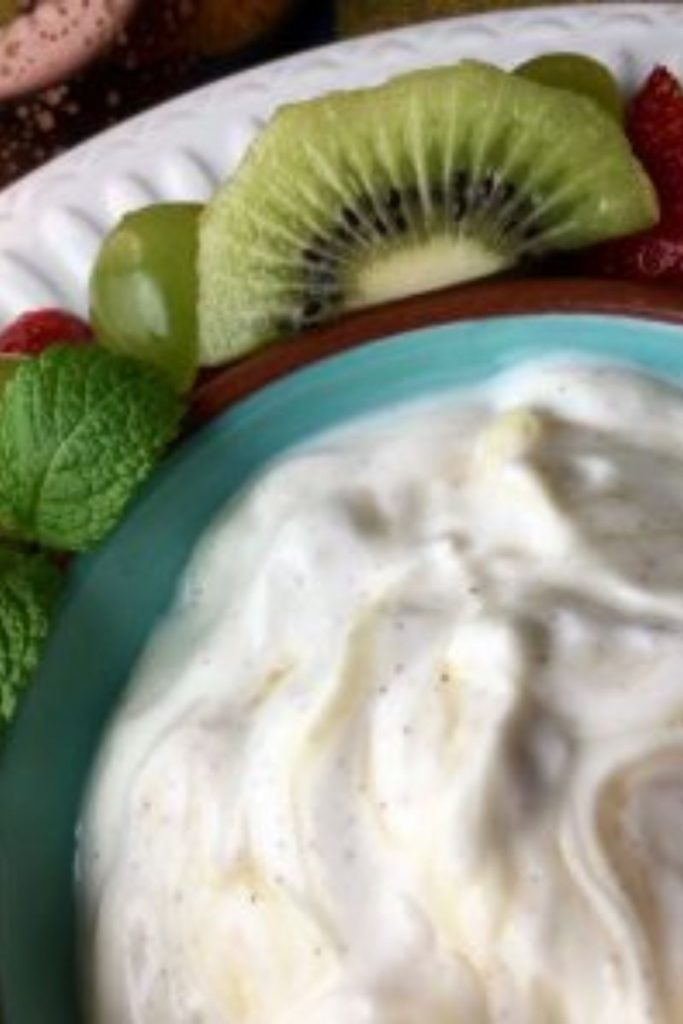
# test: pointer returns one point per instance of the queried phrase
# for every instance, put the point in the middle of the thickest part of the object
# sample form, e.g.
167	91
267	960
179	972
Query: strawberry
655	128
31	333
656	254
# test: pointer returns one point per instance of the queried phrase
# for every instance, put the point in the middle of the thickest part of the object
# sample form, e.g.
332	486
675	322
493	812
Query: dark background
157	55
138	72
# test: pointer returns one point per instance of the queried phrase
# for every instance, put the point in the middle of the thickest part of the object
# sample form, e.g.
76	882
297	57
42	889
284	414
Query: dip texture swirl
409	747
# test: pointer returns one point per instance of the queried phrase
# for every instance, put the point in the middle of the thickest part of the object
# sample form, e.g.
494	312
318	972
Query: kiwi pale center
405	240
424	266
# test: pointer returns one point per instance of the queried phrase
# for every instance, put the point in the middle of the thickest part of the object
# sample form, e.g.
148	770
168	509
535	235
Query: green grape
577	73
143	289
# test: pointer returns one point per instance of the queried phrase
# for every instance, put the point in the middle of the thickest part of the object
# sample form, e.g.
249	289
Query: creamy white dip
410	748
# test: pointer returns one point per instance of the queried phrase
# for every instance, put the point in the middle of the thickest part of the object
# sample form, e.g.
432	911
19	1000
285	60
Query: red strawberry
655	128
656	254
32	333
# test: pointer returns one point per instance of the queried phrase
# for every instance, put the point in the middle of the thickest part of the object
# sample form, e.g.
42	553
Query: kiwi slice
439	176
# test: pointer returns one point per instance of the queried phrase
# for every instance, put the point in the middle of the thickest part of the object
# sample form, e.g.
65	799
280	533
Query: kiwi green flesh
437	177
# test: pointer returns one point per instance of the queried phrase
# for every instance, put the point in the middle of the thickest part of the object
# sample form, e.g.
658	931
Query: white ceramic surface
51	221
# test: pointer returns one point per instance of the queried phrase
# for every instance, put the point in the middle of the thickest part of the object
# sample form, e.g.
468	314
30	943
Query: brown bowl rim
222	388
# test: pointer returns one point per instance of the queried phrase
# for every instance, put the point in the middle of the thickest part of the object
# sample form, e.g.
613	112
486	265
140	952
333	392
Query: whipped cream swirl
409	749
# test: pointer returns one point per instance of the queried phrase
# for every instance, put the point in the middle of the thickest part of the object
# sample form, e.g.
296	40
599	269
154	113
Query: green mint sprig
29	586
80	429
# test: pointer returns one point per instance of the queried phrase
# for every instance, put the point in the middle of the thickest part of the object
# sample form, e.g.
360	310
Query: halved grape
143	289
577	73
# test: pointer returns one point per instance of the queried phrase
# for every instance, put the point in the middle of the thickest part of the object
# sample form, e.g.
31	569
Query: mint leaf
29	585
80	428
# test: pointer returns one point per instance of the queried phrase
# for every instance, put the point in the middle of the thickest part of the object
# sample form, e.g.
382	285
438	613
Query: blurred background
69	68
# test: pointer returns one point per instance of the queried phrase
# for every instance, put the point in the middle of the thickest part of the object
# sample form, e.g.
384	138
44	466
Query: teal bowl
116	595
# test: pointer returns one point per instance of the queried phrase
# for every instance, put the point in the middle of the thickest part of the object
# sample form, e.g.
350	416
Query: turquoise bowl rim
129	583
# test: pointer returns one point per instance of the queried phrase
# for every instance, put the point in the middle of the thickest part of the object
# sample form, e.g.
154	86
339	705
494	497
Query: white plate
51	221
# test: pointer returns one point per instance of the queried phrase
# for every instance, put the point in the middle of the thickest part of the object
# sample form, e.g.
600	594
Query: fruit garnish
31	333
655	127
650	255
80	428
438	177
29	586
143	289
579	74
